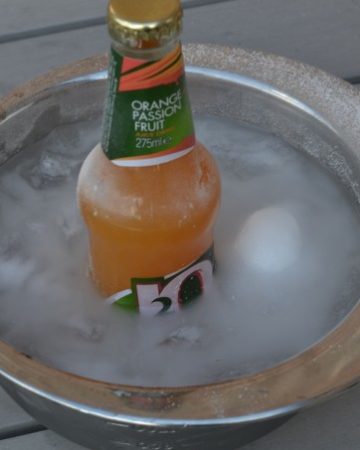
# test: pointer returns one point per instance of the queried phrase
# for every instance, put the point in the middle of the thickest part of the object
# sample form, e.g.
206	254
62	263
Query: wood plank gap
200	3
53	29
21	430
353	80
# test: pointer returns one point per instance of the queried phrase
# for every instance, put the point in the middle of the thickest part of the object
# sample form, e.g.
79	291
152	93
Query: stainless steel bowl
313	111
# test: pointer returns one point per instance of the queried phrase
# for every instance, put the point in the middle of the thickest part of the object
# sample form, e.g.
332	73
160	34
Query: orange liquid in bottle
147	222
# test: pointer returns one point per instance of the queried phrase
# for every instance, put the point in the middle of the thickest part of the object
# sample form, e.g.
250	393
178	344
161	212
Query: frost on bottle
150	192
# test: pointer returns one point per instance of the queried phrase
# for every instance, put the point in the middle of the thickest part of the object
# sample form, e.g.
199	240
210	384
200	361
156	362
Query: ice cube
70	223
72	140
9	245
186	334
49	170
14	272
270	240
84	328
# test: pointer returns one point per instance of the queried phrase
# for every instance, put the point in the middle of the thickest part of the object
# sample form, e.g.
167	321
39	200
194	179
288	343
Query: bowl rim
324	369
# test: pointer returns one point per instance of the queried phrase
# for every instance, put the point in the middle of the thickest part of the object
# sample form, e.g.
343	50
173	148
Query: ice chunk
9	245
187	334
14	272
59	155
50	170
270	240
70	223
84	328
72	140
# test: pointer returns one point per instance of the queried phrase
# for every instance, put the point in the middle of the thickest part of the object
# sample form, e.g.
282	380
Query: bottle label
152	296
147	118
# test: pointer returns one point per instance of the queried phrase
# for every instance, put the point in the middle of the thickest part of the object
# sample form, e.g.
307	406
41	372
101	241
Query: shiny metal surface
316	113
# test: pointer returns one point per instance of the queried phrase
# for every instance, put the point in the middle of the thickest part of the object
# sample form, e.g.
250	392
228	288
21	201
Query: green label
147	118
152	296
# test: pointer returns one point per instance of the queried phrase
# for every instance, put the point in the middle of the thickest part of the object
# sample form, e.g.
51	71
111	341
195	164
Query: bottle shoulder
187	185
197	167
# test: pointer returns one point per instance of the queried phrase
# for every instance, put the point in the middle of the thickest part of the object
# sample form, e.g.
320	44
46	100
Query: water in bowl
288	252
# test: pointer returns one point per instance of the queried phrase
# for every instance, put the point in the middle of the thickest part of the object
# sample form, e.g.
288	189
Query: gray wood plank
45	440
20	15
32	57
334	425
12	417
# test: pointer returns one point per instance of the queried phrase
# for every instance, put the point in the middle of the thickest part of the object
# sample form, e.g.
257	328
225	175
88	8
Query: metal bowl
313	111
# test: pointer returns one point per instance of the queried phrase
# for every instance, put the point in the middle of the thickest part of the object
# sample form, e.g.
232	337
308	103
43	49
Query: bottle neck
148	118
147	51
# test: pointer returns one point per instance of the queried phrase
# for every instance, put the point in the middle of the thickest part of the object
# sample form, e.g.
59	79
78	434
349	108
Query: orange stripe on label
130	63
150	76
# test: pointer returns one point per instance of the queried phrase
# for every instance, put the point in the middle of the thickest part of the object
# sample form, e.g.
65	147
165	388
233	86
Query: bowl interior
68	116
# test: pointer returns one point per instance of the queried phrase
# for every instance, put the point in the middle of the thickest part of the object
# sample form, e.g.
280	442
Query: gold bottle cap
144	23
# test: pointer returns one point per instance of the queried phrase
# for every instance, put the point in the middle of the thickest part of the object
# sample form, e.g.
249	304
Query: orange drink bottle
149	193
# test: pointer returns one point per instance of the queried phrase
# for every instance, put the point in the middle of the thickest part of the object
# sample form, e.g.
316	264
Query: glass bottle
149	193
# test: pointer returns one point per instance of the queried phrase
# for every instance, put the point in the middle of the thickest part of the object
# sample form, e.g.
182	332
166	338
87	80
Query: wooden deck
37	35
